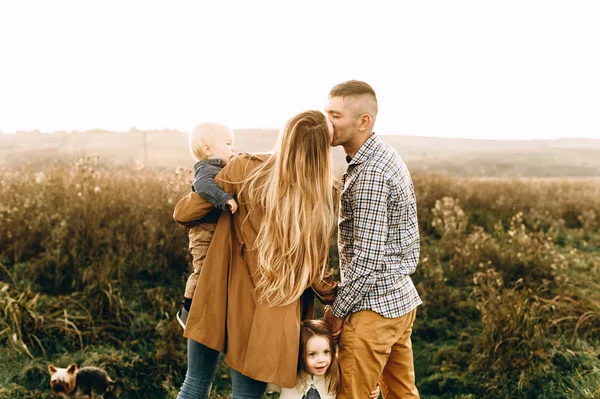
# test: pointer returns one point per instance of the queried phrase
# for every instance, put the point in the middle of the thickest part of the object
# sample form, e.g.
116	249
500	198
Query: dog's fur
83	383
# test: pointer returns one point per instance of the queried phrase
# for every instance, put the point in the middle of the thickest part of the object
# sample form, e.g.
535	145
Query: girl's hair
317	328
294	187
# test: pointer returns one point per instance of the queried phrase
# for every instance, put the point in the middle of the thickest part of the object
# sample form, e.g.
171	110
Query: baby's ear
72	368
51	369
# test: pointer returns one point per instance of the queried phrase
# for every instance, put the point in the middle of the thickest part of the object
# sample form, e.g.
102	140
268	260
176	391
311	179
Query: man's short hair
356	88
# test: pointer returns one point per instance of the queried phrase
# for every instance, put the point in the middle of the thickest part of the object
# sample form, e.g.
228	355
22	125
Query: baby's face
223	147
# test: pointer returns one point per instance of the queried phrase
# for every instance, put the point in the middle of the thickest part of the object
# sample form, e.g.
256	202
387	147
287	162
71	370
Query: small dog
84	383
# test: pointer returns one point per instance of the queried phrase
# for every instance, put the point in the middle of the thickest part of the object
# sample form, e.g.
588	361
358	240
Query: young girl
318	369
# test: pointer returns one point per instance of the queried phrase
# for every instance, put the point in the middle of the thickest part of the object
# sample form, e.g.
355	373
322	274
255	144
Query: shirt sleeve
204	184
194	207
370	224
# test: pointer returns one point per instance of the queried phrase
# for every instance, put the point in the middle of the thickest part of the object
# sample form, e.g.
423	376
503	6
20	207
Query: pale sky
477	69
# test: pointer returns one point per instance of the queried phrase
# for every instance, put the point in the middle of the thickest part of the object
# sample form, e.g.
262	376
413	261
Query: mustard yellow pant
373	349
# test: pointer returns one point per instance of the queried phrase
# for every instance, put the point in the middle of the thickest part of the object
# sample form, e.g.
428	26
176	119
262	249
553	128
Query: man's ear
365	122
72	368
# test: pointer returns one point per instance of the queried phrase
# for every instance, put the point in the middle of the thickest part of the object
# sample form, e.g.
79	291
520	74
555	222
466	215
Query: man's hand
335	324
232	205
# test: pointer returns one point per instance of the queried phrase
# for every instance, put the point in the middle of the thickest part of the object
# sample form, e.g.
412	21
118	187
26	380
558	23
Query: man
378	245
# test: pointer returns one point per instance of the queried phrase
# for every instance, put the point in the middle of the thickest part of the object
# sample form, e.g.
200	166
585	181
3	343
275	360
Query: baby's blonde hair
204	134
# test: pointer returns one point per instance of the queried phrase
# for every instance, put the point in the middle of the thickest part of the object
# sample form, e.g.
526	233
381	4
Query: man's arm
370	214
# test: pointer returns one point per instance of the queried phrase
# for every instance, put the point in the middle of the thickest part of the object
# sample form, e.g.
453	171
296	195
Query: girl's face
318	355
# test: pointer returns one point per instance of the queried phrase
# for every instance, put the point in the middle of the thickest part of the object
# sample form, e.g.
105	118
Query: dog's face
62	381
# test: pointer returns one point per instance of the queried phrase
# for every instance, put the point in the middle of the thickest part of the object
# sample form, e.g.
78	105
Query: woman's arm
190	209
325	289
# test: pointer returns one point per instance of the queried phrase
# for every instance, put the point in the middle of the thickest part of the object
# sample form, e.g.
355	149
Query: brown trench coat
260	342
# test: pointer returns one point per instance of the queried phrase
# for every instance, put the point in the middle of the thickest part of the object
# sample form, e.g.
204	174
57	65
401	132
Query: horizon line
175	130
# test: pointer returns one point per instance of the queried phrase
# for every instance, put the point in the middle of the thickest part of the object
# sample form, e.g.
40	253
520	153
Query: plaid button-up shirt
378	237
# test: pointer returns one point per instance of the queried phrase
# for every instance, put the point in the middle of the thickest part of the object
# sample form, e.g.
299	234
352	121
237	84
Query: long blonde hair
294	188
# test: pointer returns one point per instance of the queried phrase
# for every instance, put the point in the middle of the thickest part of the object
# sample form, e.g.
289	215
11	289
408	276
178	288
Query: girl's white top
303	385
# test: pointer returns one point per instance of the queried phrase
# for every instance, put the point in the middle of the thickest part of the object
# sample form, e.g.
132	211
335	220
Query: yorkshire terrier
84	383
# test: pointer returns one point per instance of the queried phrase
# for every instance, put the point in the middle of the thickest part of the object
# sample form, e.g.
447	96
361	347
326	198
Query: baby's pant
199	241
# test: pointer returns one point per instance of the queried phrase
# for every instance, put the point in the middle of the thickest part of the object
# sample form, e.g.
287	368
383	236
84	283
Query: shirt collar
365	151
210	161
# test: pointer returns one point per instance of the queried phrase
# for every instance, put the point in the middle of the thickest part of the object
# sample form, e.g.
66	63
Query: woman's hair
317	328
294	187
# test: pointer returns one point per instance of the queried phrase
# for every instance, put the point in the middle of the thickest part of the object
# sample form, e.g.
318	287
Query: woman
255	286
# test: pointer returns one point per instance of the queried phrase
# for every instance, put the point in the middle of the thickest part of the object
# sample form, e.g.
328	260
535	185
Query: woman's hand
335	324
375	392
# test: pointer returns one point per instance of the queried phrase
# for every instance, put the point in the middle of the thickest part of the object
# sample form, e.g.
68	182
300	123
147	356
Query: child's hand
375	393
232	205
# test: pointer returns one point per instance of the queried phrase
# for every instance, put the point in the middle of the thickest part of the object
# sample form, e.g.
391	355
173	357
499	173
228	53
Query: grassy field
92	268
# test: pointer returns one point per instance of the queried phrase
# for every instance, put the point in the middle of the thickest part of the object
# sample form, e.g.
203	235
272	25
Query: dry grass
92	268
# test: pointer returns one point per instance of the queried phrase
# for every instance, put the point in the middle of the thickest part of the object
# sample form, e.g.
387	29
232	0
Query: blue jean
203	363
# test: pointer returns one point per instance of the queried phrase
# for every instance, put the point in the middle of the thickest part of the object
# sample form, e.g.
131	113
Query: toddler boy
211	144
